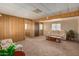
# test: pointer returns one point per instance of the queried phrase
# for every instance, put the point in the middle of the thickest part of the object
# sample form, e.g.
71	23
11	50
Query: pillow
6	43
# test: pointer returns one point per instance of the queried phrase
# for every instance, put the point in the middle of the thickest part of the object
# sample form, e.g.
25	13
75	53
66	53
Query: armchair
8	47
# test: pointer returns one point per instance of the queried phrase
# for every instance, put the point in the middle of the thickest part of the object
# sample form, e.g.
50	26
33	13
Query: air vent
37	11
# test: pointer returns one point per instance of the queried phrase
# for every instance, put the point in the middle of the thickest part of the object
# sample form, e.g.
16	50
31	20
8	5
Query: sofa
61	34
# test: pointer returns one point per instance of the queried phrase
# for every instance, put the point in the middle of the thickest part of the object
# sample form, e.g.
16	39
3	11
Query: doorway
41	28
36	29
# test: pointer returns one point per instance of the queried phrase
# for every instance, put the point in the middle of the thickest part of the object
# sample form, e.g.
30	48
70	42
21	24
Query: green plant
70	34
8	52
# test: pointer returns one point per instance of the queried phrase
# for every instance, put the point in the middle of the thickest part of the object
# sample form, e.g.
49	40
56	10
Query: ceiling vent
37	11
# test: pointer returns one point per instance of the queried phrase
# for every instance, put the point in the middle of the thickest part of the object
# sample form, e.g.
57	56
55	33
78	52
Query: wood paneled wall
12	27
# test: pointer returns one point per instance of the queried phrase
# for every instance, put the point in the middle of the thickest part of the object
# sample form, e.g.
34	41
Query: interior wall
12	27
66	25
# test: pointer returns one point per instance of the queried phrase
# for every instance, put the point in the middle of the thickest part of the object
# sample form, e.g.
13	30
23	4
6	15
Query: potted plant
70	35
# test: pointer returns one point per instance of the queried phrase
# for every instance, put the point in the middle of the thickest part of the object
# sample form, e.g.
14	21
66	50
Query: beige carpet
39	46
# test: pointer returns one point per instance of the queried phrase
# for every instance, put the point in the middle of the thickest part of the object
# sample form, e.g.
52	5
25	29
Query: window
25	26
41	26
56	27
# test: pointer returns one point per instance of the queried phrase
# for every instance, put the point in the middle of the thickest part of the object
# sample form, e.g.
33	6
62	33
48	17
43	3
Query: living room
39	29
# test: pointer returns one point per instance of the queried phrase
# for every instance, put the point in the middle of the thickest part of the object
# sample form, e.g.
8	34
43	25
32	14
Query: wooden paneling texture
12	27
30	28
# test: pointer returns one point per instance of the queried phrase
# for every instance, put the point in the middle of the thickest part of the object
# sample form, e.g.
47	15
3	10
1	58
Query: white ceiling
26	9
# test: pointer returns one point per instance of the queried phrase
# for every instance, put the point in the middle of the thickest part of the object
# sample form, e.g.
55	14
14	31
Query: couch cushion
6	43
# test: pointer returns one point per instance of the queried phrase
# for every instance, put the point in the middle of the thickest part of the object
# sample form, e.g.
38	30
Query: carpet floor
39	46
